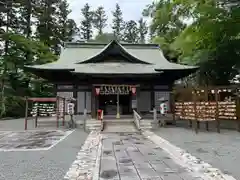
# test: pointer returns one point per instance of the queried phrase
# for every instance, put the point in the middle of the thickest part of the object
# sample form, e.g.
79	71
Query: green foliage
143	30
118	23
86	23
105	38
20	47
210	38
130	32
100	19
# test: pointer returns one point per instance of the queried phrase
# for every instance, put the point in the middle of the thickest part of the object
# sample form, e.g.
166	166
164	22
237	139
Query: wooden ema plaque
206	111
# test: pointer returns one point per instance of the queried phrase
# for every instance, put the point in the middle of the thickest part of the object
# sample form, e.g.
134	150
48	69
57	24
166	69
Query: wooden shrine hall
114	77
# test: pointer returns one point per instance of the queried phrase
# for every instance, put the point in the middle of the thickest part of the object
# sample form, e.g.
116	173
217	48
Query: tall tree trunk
28	31
3	80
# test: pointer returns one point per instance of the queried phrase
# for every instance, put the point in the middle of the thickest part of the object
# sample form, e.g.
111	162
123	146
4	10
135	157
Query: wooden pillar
55	89
93	103
36	118
172	106
26	113
190	124
64	112
75	96
216	115
96	103
206	99
238	112
57	110
195	112
138	97
85	99
152	98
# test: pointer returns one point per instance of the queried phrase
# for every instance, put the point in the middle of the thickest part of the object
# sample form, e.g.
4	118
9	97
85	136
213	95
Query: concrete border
185	159
98	162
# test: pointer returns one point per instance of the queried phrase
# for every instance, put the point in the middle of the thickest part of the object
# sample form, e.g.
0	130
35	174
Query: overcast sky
132	9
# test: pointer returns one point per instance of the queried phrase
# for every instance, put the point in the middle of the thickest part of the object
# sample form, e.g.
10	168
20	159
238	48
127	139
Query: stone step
146	127
48	124
93	124
147	123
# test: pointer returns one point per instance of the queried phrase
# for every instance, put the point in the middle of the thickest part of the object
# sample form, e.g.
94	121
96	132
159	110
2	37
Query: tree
212	41
86	23
105	38
100	19
167	23
67	28
142	29
130	32
118	23
19	47
210	38
71	30
46	14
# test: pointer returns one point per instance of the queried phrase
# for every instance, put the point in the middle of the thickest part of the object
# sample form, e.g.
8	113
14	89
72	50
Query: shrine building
113	77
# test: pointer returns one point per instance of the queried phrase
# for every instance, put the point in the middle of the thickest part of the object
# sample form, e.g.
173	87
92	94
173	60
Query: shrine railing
137	119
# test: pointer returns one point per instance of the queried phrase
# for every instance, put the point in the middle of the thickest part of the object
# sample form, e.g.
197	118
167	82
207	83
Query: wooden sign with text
115	89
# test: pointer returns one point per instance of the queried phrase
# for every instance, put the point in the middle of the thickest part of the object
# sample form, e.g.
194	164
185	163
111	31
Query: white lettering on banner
107	90
70	108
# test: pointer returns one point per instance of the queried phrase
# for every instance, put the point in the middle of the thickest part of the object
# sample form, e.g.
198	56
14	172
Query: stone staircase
146	124
93	124
117	125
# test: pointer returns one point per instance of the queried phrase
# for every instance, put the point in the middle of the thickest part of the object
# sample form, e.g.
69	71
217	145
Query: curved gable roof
119	49
80	56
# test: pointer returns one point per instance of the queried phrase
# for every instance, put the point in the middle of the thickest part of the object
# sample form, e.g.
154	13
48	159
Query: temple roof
98	58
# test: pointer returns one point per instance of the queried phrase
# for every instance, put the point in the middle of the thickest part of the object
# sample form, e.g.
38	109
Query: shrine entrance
116	99
109	103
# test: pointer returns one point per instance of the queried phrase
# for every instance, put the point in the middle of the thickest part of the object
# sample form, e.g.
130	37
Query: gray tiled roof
74	53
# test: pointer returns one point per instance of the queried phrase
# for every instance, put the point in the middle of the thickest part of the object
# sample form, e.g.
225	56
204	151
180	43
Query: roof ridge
70	44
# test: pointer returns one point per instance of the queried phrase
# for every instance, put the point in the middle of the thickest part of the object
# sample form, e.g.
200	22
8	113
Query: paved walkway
131	156
124	156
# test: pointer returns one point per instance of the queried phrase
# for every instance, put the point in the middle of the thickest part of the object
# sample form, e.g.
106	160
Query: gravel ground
19	124
41	165
222	150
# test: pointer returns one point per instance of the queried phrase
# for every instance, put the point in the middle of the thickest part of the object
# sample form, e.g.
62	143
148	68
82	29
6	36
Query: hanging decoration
134	90
97	90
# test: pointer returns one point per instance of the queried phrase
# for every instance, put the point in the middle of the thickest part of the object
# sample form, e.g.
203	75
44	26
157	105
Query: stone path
138	156
131	156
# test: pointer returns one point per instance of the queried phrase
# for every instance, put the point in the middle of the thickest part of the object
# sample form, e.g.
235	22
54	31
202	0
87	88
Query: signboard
70	108
61	107
115	89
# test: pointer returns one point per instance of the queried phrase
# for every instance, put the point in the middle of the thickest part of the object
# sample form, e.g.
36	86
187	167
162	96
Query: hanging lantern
134	90
97	90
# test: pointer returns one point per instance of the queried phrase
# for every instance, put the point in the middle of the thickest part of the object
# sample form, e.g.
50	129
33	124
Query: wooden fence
207	104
